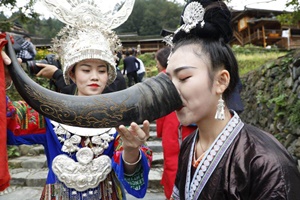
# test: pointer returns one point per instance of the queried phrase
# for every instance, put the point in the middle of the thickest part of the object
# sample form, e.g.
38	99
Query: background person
120	82
130	63
161	58
225	158
28	50
142	71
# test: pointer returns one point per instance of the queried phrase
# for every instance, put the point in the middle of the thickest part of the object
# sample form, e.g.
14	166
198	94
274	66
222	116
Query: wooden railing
238	37
258	36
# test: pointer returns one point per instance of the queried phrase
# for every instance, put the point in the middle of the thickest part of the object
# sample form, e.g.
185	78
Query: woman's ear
222	80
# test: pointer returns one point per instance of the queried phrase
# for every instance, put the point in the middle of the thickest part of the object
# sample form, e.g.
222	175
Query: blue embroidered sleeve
136	184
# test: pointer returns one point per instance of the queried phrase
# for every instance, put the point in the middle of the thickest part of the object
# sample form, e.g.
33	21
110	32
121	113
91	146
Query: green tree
150	16
46	28
23	15
296	13
135	19
291	18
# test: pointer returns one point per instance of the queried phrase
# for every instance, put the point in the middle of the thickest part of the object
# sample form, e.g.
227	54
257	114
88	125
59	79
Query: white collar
83	131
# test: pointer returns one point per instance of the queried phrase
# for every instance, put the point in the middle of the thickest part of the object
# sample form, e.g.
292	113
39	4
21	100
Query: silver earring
220	114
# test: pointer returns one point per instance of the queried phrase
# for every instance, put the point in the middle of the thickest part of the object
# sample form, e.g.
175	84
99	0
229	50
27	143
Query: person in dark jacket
130	63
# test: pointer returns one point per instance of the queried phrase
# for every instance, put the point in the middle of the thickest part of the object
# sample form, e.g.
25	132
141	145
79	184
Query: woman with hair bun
224	158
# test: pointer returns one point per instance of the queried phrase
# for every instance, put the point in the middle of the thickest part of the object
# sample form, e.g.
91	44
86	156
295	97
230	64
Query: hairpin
193	14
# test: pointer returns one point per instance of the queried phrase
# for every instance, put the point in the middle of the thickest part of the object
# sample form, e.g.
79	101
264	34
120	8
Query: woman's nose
95	75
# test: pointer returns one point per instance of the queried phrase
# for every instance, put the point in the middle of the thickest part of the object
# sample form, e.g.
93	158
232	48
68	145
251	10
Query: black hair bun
217	19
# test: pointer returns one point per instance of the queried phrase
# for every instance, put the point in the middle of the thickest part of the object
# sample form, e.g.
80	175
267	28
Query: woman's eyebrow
90	65
177	70
86	65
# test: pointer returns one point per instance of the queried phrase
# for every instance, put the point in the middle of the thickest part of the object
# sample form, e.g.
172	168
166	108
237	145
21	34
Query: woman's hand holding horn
132	138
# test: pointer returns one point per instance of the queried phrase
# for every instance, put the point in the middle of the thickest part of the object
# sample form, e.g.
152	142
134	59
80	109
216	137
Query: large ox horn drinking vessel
149	100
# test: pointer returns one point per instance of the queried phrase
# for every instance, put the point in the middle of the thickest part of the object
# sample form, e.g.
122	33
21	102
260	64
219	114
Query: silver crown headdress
193	14
88	31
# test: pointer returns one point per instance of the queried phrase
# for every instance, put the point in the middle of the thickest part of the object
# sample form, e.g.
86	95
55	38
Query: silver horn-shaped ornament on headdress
89	31
105	13
149	100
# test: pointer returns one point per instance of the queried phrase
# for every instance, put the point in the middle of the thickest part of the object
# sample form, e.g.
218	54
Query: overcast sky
236	4
262	4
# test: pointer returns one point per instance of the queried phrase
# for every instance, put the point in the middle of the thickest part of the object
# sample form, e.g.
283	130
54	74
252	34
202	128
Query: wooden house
258	27
262	28
143	44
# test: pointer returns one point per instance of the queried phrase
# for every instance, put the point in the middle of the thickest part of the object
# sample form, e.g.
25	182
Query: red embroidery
23	119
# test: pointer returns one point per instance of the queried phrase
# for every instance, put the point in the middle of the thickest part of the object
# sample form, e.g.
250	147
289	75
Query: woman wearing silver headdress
85	163
224	158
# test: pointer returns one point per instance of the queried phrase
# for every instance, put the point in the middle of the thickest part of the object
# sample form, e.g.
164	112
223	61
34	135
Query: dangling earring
220	114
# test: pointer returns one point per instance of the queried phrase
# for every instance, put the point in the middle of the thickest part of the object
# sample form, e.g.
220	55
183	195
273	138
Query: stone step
157	159
34	193
31	171
21	193
28	162
28	177
31	150
37	177
153	126
155	145
152	136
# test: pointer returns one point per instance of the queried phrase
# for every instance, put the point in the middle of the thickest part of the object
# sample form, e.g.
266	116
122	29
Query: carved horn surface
149	100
